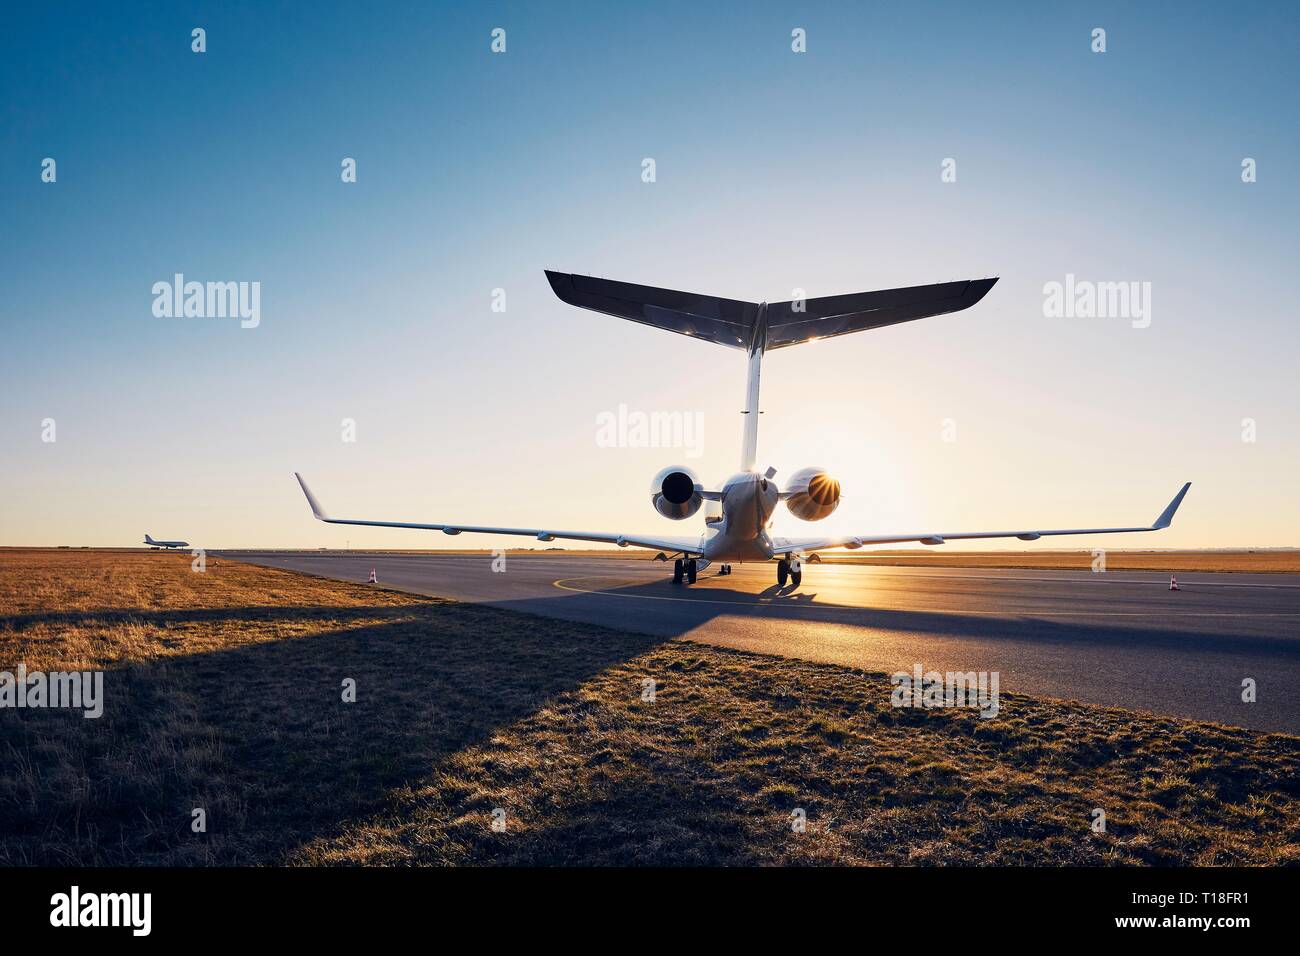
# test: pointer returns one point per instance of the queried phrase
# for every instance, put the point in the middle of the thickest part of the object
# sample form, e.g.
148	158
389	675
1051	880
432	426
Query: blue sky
775	171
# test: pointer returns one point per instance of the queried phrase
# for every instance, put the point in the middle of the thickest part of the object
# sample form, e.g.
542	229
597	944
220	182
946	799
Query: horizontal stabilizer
731	322
789	323
725	321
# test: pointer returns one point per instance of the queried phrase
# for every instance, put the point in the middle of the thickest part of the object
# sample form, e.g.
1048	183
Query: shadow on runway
679	610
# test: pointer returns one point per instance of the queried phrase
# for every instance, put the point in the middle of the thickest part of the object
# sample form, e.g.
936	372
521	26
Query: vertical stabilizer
757	345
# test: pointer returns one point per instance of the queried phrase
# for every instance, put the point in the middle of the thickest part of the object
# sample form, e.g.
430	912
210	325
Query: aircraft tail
147	539
758	327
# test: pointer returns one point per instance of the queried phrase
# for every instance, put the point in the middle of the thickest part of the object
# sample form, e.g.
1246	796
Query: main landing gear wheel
791	571
685	569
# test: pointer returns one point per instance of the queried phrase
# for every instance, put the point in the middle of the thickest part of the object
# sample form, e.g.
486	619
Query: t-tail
760	327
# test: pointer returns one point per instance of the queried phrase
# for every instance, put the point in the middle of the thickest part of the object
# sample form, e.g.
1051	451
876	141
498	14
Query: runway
1119	638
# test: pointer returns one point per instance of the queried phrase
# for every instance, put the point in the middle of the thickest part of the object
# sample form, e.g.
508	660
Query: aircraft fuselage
748	502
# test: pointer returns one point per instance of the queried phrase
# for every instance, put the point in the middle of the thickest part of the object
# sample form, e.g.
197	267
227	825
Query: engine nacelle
673	493
812	494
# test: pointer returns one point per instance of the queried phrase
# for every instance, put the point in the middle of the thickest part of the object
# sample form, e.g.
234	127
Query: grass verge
224	692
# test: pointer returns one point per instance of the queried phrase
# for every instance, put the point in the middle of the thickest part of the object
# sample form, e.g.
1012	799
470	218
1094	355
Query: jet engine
673	493
812	494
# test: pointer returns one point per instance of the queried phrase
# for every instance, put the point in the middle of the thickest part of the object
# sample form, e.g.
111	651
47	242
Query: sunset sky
776	171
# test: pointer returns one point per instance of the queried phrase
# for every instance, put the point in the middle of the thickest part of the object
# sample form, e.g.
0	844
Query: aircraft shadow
688	609
259	738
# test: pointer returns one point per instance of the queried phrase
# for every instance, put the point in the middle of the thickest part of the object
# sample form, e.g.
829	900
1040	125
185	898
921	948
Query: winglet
316	509
1167	516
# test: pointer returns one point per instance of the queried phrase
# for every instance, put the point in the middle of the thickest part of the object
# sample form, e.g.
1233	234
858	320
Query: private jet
738	530
164	544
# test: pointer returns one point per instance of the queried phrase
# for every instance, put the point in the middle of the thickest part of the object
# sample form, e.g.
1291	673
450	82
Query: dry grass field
223	692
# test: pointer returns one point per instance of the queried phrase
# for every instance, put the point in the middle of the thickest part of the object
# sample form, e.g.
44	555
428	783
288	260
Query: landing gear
678	571
789	570
685	569
724	569
690	571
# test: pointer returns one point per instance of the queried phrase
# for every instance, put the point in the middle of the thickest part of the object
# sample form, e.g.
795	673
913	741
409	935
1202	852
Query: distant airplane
749	498
165	544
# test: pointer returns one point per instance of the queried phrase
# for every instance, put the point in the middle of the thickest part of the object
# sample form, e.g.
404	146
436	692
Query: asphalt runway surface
1120	638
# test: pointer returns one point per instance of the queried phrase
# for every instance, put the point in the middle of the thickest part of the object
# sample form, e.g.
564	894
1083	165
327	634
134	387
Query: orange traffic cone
374	579
1173	583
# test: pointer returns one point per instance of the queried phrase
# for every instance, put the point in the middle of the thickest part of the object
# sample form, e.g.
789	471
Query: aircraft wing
784	546
688	545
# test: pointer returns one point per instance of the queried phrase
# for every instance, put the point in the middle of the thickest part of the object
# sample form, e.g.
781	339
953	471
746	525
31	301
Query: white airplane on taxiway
749	498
